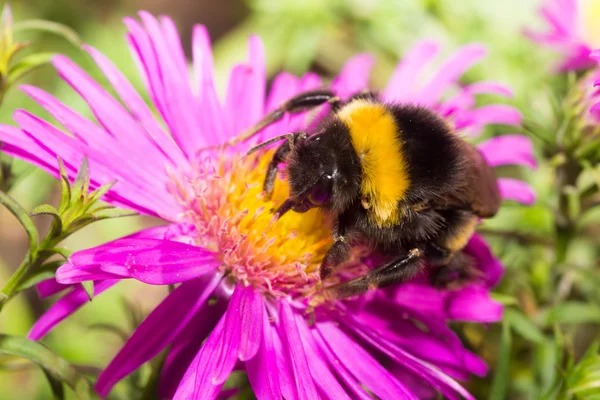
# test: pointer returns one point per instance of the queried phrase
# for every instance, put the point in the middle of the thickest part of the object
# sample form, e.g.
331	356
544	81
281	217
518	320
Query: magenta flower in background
573	30
595	110
244	281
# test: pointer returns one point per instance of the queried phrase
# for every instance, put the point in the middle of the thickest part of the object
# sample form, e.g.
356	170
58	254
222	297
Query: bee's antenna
288	136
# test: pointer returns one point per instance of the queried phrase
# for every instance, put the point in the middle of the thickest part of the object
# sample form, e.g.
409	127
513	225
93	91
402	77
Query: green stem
11	287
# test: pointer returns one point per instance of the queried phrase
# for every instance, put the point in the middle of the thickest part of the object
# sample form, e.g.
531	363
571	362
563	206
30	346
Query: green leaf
54	365
20	213
501	380
65	253
46	209
88	286
65	185
524	326
26	65
573	312
50	27
44	272
82	181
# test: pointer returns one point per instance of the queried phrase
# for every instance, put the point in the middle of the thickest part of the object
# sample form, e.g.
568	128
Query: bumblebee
394	176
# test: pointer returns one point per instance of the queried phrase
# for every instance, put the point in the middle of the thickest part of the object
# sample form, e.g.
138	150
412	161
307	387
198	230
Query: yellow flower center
225	202
589	22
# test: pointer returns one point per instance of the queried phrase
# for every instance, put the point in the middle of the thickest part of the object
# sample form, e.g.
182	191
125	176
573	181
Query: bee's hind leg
399	270
460	270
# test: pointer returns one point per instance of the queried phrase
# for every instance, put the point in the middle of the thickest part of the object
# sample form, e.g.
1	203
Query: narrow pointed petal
449	73
354	76
513	189
351	383
426	371
251	324
246	90
326	382
489	265
262	370
213	114
153	261
362	365
178	96
190	387
157	331
50	287
138	108
64	307
508	149
401	86
188	342
292	342
473	303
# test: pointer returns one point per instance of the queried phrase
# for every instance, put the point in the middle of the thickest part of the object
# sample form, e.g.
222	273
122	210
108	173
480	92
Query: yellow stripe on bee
459	238
375	137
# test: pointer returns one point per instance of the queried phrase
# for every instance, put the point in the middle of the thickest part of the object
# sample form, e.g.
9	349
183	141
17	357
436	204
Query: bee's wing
478	189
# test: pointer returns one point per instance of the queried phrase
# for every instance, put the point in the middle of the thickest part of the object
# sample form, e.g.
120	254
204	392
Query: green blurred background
321	35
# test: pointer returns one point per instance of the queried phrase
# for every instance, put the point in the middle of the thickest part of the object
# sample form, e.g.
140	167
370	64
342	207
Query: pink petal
355	387
486	262
508	149
251	328
189	388
326	382
189	341
473	303
15	142
64	307
104	167
215	361
153	261
177	106
157	331
361	364
246	89
449	73
595	54
50	287
138	108
354	76
401	85
213	115
262	369
284	87
293	345
423	299
490	87
513	189
426	371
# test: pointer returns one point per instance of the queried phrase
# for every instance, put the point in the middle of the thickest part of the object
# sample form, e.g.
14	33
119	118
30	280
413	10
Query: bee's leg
397	271
339	252
458	271
297	104
280	155
365	94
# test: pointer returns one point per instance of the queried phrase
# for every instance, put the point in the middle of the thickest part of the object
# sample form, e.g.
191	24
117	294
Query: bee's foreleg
297	104
278	157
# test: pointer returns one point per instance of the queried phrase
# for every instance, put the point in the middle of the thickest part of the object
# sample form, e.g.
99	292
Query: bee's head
324	172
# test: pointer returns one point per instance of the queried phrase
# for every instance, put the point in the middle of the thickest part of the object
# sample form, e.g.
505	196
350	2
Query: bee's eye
321	191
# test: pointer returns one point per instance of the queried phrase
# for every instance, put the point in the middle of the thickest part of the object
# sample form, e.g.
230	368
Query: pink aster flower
573	30
242	281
